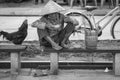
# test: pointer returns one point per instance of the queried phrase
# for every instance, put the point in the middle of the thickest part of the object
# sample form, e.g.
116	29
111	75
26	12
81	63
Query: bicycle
88	20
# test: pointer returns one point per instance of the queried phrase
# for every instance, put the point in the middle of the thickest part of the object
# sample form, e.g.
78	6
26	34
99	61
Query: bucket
91	39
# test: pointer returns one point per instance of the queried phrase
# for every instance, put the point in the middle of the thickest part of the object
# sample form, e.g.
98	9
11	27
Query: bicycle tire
114	29
80	14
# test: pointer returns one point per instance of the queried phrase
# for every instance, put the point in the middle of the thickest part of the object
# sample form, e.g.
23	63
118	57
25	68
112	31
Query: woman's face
55	26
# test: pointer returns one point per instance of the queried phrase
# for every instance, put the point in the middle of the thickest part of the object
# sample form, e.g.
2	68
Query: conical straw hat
51	7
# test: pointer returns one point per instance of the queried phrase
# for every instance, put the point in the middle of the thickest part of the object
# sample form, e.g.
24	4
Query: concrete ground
68	75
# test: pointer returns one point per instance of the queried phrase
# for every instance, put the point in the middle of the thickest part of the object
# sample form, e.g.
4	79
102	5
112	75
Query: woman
51	29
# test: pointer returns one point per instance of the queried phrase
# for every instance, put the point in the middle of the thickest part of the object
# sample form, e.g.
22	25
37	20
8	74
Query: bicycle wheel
115	29
84	21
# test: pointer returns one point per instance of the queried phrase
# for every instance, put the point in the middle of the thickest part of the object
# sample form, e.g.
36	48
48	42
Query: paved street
70	75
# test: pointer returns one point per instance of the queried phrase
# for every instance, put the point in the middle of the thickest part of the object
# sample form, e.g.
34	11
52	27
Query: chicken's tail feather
3	33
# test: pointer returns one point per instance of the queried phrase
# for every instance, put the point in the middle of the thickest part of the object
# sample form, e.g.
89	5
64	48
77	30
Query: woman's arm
39	24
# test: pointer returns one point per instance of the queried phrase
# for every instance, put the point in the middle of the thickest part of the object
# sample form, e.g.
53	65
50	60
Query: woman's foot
54	44
56	47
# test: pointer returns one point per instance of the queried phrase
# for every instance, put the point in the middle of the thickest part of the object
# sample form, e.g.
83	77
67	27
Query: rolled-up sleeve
39	24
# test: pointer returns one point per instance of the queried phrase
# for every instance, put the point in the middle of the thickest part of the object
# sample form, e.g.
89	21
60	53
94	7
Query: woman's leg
46	40
53	43
65	34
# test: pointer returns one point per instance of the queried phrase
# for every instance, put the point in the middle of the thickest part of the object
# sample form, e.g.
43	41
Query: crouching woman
51	29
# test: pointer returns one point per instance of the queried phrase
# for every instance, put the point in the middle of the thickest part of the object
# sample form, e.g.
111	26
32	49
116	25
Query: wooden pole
54	63
117	64
15	63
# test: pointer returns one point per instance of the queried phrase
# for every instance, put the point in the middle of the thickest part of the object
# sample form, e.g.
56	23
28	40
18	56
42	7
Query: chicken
17	37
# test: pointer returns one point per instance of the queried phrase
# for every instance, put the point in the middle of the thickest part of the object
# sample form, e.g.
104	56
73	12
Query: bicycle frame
114	13
95	25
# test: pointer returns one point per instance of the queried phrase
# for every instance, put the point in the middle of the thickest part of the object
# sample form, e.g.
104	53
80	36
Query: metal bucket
91	39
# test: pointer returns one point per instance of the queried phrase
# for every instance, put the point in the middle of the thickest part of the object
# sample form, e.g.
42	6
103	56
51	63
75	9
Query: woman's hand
74	21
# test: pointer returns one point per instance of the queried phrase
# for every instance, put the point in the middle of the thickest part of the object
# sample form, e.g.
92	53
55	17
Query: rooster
17	37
